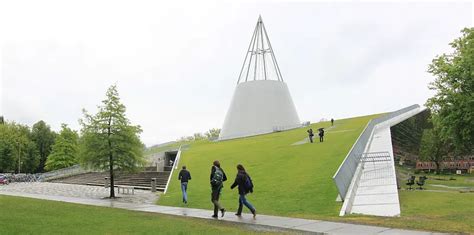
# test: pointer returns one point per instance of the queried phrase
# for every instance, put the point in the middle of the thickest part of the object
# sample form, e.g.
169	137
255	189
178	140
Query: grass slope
296	180
290	180
31	216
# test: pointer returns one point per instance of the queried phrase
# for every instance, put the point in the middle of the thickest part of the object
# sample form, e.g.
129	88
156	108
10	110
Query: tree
213	133
7	148
109	141
44	139
433	148
64	151
17	151
198	136
453	103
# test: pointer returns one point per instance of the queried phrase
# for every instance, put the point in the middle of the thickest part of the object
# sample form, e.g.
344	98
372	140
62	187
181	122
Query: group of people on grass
242	181
320	133
217	178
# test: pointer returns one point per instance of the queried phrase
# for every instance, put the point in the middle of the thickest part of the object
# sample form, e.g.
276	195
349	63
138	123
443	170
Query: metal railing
69	171
346	171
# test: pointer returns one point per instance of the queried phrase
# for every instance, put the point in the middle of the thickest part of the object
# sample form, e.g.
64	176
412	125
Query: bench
128	188
410	182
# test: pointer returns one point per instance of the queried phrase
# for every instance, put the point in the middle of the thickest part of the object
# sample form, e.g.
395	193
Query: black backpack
248	185
217	178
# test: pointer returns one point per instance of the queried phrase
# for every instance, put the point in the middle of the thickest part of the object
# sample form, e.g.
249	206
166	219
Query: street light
19	159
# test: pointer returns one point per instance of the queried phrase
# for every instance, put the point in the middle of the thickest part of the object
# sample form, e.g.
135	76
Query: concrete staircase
140	180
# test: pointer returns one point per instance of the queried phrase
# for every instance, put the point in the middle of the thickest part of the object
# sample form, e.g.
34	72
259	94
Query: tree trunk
437	167
111	162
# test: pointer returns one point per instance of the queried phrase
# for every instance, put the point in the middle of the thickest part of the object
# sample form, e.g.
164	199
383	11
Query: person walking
184	176
310	134
332	121
321	134
217	178
245	185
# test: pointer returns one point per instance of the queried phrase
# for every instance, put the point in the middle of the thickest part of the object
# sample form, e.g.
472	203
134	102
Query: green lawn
296	180
31	216
290	180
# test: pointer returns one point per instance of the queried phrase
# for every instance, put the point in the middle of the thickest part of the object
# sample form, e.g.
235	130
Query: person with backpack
321	134
217	178
245	184
184	176
310	135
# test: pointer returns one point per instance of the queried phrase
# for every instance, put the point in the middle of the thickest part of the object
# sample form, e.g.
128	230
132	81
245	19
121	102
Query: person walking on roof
321	134
184	176
245	185
310	134
217	178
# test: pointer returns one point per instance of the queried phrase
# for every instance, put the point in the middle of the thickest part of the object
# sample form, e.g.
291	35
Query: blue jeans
184	187
243	201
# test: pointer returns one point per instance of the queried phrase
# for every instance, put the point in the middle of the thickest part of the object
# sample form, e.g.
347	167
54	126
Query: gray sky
176	63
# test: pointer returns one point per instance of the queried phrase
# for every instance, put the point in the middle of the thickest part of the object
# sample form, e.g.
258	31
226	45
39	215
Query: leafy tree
433	148
109	141
453	103
44	139
198	136
64	151
17	150
213	133
7	148
30	158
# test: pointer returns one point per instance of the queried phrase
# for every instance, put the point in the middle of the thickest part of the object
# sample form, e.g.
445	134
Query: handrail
345	173
72	170
175	166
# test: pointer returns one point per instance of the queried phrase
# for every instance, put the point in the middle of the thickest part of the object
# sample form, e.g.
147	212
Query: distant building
465	165
262	102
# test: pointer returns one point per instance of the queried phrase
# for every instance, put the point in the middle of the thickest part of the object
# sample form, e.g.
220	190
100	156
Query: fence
345	173
72	170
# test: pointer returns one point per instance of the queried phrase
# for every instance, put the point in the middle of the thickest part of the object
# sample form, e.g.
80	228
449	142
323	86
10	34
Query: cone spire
260	62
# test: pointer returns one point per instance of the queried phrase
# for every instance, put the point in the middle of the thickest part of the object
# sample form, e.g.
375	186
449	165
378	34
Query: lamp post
19	159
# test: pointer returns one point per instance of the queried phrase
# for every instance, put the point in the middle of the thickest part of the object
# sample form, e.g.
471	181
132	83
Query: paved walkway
302	225
78	191
376	190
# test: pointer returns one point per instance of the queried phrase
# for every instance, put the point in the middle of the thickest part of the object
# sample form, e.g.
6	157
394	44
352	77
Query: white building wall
259	107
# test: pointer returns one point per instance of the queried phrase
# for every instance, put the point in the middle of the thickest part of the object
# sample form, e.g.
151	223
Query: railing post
153	185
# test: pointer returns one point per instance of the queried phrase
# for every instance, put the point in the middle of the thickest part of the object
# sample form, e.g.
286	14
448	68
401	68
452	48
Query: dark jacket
184	176
321	133
213	170
240	181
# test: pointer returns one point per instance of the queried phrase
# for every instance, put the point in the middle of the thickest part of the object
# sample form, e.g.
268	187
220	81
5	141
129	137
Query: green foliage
16	147
433	147
453	103
44	140
213	133
108	140
64	151
198	136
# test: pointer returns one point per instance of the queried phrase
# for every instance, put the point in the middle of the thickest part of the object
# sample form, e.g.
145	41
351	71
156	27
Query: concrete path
376	191
301	225
79	191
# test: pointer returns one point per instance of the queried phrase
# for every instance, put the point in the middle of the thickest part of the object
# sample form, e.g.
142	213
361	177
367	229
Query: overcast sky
176	63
